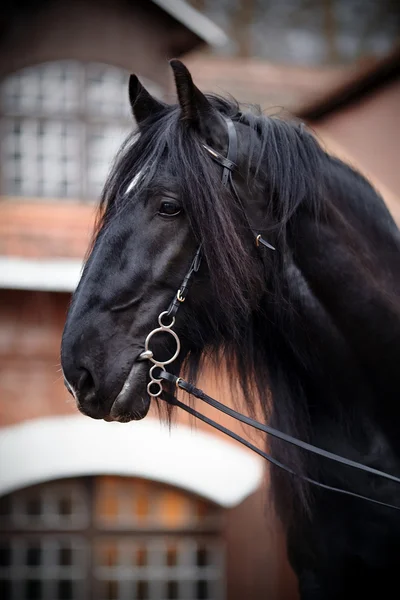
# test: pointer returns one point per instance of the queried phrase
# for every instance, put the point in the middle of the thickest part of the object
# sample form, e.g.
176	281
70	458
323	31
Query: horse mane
288	163
283	156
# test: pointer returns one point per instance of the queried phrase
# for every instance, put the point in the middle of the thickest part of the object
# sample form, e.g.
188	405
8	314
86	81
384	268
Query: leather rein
155	387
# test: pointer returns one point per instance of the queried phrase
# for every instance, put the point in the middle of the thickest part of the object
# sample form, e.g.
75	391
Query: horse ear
143	104
196	109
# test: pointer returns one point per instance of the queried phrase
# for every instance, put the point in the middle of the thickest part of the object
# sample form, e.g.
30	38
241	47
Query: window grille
109	538
62	125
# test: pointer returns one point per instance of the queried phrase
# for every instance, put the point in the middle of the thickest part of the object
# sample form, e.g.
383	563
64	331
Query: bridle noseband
155	388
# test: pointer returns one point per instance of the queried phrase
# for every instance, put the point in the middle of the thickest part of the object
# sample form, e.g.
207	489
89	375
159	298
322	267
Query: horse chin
133	401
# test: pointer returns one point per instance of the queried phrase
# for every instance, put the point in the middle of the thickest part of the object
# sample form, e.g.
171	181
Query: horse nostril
86	385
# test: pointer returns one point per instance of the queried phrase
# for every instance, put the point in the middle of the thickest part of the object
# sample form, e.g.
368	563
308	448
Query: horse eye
168	208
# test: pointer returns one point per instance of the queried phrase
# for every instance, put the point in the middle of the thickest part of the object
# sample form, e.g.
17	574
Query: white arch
49	448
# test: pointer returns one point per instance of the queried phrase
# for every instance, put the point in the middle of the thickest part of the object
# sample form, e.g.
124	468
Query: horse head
163	200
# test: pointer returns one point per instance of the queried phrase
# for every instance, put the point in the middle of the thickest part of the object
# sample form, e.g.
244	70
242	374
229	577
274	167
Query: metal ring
153	377
258	240
179	297
163	330
162	324
160	389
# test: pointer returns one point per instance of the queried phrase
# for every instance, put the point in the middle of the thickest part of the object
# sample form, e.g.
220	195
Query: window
62	124
109	538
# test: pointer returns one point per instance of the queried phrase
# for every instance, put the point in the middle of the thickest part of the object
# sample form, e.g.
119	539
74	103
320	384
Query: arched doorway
109	538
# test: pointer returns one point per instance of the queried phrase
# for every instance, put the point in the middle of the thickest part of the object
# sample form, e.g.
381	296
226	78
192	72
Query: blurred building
107	511
358	121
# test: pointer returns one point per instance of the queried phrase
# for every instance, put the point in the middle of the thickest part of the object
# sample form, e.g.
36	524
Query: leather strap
183	290
221	160
229	162
232	152
191	389
228	165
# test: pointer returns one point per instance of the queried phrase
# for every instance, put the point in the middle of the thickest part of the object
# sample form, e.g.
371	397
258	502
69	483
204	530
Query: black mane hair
286	161
291	174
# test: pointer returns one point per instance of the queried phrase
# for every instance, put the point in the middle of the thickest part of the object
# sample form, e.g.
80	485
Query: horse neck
332	333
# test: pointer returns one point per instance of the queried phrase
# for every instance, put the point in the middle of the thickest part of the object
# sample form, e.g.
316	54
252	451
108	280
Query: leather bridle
155	387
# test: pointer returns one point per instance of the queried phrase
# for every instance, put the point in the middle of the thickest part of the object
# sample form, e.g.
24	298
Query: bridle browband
155	388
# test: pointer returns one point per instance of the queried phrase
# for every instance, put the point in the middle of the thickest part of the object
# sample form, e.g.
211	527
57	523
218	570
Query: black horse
310	329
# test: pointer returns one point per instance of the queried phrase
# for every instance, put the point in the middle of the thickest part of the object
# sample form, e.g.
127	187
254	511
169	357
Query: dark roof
367	81
203	28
